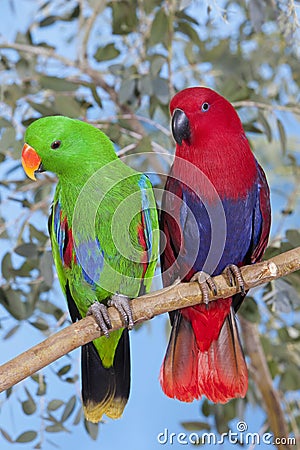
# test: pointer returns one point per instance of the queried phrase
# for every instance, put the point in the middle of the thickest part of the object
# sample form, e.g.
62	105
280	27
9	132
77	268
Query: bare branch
252	104
94	75
263	380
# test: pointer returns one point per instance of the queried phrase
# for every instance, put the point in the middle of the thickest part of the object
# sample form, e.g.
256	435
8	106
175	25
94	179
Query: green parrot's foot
121	303
99	311
235	277
206	284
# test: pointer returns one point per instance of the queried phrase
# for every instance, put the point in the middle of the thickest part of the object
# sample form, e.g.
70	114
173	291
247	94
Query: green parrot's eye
55	145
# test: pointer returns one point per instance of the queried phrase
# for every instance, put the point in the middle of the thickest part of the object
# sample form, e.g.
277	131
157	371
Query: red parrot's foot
99	311
121	303
206	284
235	277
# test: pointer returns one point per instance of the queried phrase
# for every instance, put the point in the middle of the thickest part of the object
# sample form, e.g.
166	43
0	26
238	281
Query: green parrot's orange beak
31	161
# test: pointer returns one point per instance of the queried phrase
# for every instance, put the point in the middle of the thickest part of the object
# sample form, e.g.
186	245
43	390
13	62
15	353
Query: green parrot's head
64	146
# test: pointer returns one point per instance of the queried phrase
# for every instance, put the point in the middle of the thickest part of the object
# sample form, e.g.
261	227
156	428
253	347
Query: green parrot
104	234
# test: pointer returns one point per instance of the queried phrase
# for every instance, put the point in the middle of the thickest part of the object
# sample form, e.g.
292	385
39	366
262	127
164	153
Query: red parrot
215	217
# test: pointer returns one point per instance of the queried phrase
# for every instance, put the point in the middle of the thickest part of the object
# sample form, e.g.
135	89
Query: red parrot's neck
227	168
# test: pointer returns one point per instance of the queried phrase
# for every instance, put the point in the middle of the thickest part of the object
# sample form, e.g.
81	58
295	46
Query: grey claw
121	303
206	283
235	277
99	311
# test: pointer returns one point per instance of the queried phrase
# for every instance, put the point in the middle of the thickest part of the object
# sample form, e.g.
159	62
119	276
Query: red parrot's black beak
180	126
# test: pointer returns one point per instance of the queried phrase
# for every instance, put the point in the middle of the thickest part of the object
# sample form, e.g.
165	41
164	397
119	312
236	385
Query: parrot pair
105	236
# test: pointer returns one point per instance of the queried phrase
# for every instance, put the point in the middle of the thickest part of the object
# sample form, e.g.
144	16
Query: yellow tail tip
114	409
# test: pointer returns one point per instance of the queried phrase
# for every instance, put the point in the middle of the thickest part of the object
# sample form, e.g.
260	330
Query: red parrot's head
200	114
209	135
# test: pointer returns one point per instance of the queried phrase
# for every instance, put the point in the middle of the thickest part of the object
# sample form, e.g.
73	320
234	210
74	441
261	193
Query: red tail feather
222	371
205	360
178	374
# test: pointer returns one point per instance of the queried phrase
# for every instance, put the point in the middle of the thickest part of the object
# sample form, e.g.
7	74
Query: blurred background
117	64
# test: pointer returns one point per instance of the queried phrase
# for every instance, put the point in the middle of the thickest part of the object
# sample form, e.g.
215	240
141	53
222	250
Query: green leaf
249	310
95	94
47	307
273	367
157	61
7	267
282	136
159	29
41	108
206	408
49	20
144	145
37	234
6	435
181	14
126	91
11	300
106	53
195	426
11	332
161	90
113	131
293	236
271	252
266	126
40	323
290	380
65	369
77	419
57	84
29	405
185	28
28	250
40	380
190	54
67	106
69	408
145	85
8	139
92	429
124	16
46	268
8	392
250	127
149	5
55	428
4	123
73	379
27	436
53	405
25	269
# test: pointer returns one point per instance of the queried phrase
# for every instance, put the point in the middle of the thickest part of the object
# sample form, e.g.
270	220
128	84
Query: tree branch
144	308
267	107
84	68
263	380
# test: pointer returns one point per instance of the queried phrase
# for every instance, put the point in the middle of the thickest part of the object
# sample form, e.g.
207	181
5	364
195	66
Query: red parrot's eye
55	145
205	106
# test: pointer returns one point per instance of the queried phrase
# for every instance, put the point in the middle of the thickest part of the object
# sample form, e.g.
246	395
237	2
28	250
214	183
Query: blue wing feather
88	253
239	228
146	212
